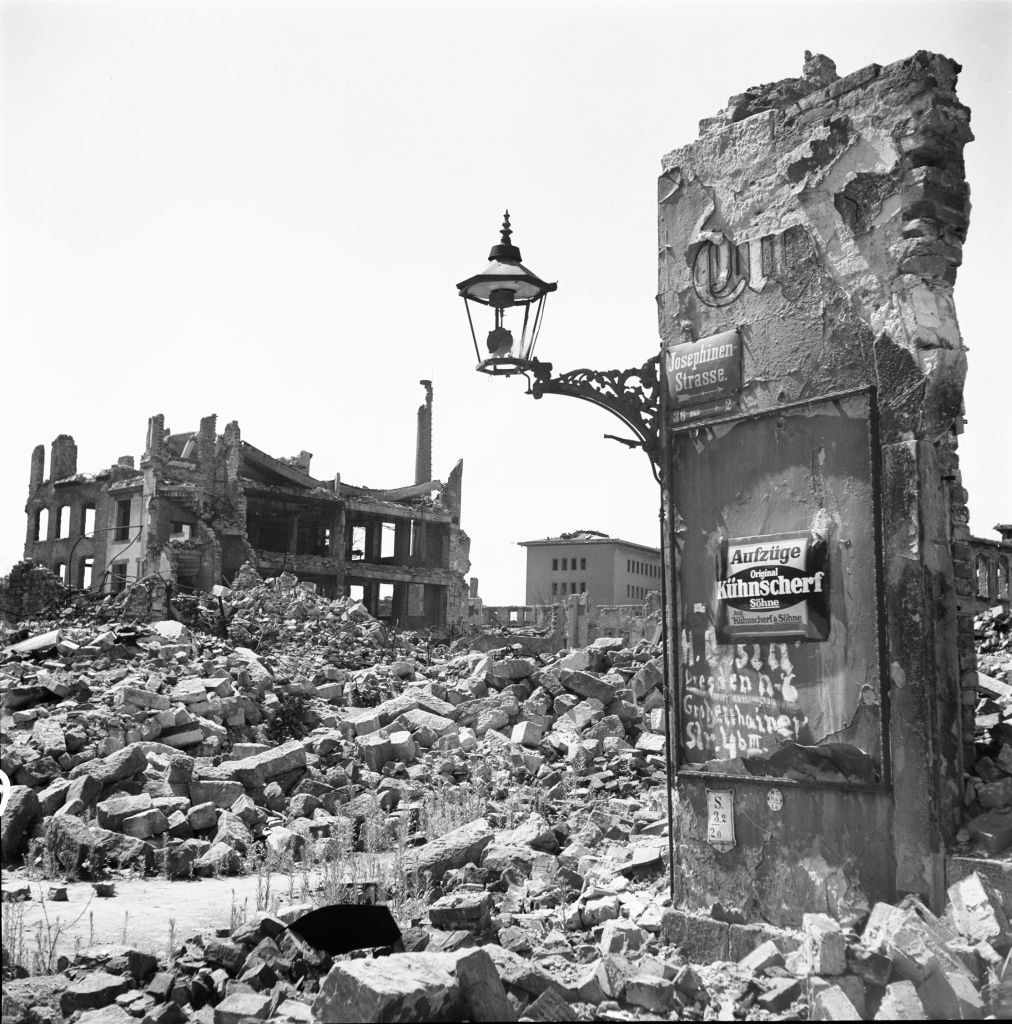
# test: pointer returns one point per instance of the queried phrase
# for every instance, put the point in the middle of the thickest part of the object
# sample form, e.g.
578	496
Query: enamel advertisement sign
773	587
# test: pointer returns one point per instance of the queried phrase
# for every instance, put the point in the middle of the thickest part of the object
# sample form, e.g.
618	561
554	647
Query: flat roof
582	541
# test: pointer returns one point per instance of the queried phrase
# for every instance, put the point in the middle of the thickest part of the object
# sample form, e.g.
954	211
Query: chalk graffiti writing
738	701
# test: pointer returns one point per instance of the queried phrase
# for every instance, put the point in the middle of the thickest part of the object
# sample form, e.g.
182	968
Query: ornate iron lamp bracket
632	395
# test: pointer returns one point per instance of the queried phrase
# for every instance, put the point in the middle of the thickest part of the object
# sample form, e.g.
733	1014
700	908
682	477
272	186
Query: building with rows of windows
610	570
991	562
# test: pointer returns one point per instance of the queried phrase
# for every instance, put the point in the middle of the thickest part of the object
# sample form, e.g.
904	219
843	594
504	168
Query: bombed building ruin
201	504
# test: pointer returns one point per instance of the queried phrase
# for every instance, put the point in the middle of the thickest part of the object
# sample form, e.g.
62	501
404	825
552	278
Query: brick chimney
423	447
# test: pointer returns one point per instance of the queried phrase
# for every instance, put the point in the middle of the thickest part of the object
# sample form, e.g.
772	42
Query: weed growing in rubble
289	722
41	861
236	913
34	951
449	807
170	949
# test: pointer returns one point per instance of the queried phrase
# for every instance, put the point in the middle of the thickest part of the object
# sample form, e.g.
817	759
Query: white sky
261	210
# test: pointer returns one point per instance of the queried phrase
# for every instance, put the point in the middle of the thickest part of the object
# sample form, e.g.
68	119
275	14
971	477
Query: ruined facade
991	560
200	504
819	222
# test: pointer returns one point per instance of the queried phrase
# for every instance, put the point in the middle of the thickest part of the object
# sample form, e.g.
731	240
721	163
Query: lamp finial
505	251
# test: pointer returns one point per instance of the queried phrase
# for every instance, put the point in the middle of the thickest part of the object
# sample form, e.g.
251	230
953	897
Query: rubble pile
509	808
988	788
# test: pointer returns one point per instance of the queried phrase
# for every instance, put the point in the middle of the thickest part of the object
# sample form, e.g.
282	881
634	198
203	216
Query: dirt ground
140	912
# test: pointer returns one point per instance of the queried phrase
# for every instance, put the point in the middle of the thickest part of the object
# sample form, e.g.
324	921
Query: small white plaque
775	800
720	818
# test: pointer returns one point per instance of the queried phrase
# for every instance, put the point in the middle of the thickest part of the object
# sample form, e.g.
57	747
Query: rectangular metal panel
806	708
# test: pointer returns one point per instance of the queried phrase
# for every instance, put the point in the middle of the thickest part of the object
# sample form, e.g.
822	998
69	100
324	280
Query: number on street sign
720	817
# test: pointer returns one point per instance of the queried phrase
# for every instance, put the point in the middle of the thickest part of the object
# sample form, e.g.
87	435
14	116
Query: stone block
146	824
830	1002
992	831
649	677
401	987
47	735
257	770
113	812
416	720
21	812
526	734
240	1007
900	1002
188	691
949	995
650	993
402	746
779	995
977	911
824	947
510	669
460	846
203	816
121	764
702	939
92	991
651	743
53	797
551	1006
481	987
138	697
85	788
189	734
588	686
376	749
217	792
762	957
462	911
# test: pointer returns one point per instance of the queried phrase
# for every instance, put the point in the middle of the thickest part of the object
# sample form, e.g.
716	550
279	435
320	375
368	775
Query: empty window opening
42	524
358	543
983	574
86	571
88	520
565	562
60	569
63	521
555	589
119	576
386	600
356	592
387	538
555	565
514	616
572	588
583	563
122	520
1002	594
182	531
583	587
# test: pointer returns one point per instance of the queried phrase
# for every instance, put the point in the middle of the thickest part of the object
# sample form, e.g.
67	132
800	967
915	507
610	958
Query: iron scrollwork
631	395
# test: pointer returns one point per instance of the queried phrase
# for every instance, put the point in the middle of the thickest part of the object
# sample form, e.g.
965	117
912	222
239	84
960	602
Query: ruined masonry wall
824	218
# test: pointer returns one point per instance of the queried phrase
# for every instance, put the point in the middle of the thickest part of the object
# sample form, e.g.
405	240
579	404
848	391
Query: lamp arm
632	395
